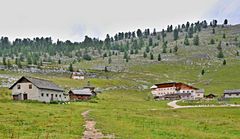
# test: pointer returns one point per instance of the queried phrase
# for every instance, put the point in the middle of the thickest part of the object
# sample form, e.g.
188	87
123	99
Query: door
51	97
25	97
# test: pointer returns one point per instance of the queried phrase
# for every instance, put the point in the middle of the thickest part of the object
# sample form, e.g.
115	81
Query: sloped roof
40	83
232	91
174	84
85	91
200	91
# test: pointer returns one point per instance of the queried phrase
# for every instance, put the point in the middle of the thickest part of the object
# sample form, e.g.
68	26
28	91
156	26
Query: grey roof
232	91
85	91
40	83
200	91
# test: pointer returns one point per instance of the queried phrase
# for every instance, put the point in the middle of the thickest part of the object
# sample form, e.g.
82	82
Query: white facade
184	92
232	95
28	91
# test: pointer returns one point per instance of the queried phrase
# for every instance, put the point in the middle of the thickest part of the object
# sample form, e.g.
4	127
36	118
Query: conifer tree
151	56
175	34
159	57
70	68
144	54
203	72
109	60
186	42
196	40
224	62
220	54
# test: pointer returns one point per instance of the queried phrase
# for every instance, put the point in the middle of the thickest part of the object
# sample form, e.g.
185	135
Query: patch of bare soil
90	131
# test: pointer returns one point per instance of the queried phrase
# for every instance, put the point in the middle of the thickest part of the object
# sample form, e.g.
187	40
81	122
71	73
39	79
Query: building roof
178	85
200	91
85	91
236	91
40	83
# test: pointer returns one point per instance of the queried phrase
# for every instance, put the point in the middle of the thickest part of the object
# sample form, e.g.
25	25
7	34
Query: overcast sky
73	19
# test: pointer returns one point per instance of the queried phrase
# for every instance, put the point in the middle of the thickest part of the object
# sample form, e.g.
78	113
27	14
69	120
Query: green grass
26	120
125	108
129	114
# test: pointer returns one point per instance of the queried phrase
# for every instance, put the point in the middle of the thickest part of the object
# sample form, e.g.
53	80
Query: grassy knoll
129	114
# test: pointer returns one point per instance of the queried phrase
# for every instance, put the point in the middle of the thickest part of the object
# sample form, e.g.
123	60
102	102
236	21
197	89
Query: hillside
125	107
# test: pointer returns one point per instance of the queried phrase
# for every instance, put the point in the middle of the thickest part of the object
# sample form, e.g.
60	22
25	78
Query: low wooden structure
81	94
210	96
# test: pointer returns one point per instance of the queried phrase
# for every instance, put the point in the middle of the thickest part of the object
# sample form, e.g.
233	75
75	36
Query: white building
28	88
174	90
232	93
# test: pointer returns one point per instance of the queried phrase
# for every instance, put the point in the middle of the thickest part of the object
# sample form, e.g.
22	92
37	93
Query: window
55	95
18	86
59	95
42	94
30	86
47	95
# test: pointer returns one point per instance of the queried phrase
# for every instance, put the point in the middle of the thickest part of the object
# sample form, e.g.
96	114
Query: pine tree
212	41
144	54
59	61
225	22
125	56
220	54
159	57
196	40
150	42
16	61
147	49
19	64
109	60
164	50
175	49
151	56
219	47
70	68
224	62
224	35
213	31
9	64
203	72
186	42
131	51
175	34
237	53
4	61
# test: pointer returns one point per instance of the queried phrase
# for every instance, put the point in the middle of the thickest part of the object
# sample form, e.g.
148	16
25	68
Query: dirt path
90	131
174	105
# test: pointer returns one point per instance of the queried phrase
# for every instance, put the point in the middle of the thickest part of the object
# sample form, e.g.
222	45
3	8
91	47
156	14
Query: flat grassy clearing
27	120
129	114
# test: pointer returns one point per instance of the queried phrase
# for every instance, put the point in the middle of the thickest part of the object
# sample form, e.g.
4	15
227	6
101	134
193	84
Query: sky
73	19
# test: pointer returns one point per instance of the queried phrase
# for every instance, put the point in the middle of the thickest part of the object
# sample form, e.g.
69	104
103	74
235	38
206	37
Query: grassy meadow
125	107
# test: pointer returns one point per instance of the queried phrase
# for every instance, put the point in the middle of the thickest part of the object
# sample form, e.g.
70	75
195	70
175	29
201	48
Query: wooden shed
81	94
